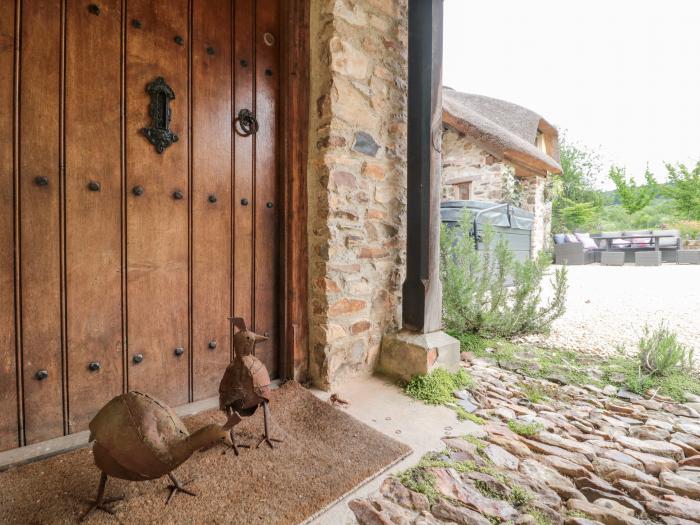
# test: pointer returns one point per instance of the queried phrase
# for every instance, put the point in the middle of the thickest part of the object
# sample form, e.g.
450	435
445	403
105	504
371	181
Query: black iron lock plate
160	134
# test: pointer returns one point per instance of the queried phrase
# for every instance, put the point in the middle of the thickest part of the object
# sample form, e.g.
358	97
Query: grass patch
540	517
463	415
420	480
627	372
436	387
533	393
662	365
524	429
577	514
480	445
487	491
472	343
520	497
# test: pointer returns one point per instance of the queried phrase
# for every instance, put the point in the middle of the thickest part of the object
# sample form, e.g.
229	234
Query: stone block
407	354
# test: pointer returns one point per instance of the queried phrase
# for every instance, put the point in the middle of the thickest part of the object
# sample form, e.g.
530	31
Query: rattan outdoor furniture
647	258
667	242
573	253
612	258
688	257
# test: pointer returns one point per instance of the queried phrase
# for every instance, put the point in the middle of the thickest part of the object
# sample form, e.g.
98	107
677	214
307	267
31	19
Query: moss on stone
437	387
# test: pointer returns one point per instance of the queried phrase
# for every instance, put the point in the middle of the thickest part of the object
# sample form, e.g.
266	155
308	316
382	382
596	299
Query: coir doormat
325	454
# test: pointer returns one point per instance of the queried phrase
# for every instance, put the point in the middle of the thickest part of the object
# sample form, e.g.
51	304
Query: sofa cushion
559	238
570	237
668	242
621	243
585	239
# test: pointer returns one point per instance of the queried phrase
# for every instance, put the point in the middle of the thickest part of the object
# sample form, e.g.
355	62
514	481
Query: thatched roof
504	129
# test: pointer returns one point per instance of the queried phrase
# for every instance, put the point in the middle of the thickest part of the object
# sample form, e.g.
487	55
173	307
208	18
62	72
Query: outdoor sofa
575	249
582	248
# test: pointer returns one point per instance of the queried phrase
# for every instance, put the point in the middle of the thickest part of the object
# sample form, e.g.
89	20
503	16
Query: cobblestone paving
592	456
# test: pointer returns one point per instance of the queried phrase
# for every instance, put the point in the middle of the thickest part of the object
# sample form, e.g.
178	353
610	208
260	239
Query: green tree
576	200
633	198
683	188
578	215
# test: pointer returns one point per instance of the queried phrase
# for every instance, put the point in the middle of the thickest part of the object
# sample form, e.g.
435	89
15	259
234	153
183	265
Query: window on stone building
540	142
464	190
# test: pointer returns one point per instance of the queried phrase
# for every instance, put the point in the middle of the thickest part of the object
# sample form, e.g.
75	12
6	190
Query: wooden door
120	264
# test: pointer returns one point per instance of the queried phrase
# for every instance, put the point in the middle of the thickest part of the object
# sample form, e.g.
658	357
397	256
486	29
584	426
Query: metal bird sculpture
139	438
246	382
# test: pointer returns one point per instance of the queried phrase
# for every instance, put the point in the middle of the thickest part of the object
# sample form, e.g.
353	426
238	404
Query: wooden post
422	291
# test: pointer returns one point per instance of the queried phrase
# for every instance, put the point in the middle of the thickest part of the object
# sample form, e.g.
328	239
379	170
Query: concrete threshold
382	405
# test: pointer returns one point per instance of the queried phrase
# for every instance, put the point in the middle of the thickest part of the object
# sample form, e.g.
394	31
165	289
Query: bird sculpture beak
260	338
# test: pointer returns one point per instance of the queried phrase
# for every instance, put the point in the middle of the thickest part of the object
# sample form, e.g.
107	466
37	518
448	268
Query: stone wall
357	182
464	161
534	200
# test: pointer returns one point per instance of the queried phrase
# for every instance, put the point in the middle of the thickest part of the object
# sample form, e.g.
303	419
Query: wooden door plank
293	149
267	72
9	437
157	224
211	176
40	218
244	86
93	215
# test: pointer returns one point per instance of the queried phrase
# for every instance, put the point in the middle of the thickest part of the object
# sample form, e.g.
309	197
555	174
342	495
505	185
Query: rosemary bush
476	297
661	353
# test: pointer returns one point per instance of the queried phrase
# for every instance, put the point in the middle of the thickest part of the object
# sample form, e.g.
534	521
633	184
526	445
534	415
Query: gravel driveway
608	306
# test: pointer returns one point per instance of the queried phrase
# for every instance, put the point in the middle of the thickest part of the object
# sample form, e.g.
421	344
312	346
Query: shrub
661	354
662	364
688	229
436	388
476	297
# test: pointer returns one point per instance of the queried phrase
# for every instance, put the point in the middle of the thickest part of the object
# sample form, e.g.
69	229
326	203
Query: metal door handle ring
247	122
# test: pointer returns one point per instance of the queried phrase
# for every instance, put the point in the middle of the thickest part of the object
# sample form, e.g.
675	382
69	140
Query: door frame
293	158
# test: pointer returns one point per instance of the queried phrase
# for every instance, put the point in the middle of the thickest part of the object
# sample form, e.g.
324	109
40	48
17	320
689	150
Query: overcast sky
620	76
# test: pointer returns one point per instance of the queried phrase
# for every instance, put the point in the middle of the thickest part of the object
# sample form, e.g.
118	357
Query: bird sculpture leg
266	437
101	502
177	487
234	445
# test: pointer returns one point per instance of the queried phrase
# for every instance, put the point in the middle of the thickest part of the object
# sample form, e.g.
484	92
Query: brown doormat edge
356	487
